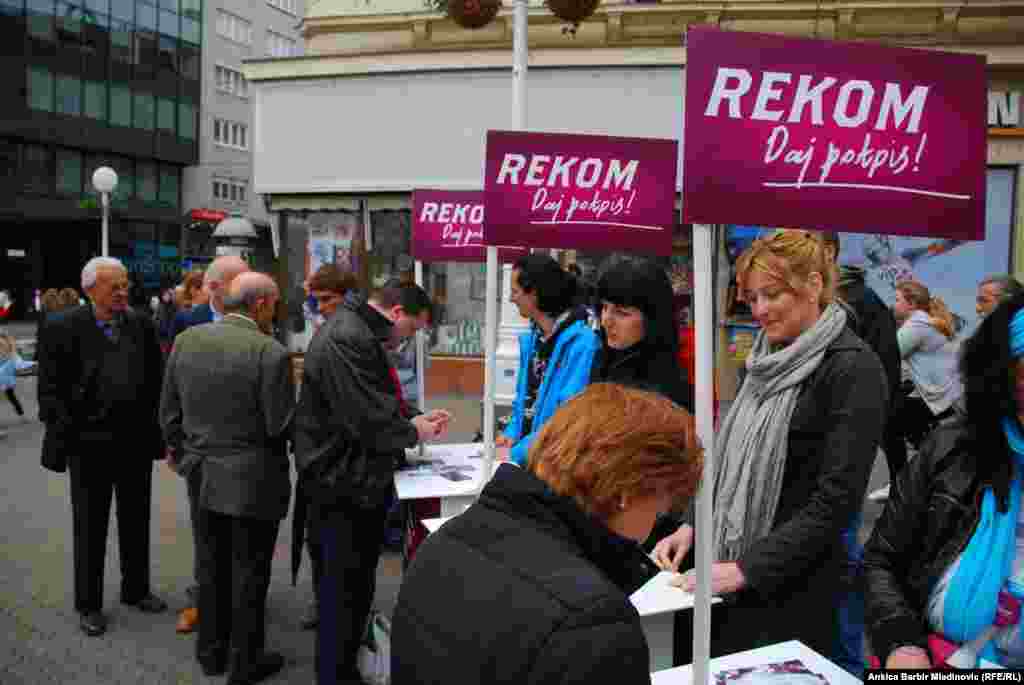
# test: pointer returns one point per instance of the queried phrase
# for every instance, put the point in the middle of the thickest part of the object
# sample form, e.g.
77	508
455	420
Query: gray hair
248	292
92	267
1008	285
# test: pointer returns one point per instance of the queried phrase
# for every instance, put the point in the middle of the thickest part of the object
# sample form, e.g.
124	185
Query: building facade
392	97
86	84
220	184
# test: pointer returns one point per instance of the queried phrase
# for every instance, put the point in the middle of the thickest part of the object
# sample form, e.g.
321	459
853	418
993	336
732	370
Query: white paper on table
658	597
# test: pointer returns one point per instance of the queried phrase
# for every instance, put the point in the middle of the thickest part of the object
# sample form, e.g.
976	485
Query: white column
512	324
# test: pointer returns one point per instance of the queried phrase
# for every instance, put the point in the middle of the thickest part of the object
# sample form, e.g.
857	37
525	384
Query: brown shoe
187	620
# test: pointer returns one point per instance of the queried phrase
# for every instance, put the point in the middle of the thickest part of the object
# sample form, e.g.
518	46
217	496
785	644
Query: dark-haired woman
555	356
944	566
639	335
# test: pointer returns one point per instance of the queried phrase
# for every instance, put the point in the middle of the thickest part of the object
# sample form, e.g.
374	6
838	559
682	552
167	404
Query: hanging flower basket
472	14
572	11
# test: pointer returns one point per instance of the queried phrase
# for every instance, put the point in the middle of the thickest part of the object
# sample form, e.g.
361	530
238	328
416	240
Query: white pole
520	54
704	329
105	238
421	353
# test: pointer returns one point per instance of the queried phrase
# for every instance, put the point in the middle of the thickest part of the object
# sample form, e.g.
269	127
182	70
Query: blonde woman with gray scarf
792	458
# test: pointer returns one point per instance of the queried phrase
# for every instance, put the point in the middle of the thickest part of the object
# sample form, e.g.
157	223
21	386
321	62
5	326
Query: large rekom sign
834	136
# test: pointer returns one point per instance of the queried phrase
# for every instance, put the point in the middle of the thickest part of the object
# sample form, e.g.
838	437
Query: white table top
658	597
784	651
427	482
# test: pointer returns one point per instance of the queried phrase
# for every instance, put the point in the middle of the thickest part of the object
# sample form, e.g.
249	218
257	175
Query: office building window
279	45
101	6
11	8
37	169
192	8
169	186
230	134
190	59
187	121
166	114
231	81
40	89
123	10
289	6
120	105
191	30
168	55
69	95
169	25
145	16
146	181
41	18
121	41
69	172
229	190
145	111
96	100
234	28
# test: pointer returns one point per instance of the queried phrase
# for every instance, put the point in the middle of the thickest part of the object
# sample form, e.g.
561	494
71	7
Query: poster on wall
829	135
950	269
582	192
331	241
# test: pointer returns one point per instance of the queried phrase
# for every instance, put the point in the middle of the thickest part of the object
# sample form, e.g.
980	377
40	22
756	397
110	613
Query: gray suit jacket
227	405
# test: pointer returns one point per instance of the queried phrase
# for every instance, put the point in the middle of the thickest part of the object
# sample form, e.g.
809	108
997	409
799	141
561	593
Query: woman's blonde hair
611	442
919	297
791	256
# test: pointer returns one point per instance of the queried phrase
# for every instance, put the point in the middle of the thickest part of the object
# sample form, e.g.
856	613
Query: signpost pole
421	352
704	330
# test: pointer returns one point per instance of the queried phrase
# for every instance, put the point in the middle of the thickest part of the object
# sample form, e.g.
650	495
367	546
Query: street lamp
104	180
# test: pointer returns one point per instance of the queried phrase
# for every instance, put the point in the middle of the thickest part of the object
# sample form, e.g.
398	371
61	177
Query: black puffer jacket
933	508
523	588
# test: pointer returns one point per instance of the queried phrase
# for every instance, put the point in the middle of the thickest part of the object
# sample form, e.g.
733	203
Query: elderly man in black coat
227	404
100	369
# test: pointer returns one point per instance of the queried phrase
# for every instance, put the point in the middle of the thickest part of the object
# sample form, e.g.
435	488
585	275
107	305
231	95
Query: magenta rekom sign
448	226
583	192
829	135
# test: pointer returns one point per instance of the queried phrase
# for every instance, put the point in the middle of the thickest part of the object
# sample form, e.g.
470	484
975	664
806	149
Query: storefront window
40	19
166	111
125	169
121	41
69	172
69	95
145	111
37	170
187	121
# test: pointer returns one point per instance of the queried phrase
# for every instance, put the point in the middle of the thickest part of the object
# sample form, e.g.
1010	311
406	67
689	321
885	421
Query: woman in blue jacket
555	356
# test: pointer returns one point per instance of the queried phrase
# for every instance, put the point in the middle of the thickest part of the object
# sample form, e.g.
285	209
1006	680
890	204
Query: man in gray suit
228	399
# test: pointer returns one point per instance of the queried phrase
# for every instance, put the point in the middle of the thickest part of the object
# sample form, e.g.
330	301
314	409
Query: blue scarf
987	562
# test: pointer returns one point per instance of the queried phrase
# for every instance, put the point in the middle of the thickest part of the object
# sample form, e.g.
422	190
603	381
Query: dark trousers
13	399
194	484
235	555
894	441
100	472
316	558
350	542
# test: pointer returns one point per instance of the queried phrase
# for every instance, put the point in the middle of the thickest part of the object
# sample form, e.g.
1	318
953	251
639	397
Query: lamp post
104	180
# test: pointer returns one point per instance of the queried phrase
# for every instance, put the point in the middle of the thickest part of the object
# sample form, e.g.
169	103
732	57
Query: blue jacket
567	374
9	369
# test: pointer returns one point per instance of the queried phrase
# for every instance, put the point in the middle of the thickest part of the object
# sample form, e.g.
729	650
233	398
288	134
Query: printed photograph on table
783	673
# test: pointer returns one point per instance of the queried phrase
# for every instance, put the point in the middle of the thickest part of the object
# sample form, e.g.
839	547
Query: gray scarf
752	443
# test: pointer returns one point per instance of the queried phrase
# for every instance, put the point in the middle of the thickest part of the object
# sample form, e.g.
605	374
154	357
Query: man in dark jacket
227	402
100	369
351	429
216	282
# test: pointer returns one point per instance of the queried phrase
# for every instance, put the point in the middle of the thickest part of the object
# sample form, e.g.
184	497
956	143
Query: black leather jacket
933	508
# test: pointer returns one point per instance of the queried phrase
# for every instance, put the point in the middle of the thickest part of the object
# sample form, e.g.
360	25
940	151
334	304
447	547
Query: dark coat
643	368
188	318
793	574
523	588
874	322
227	404
933	509
349	427
71	350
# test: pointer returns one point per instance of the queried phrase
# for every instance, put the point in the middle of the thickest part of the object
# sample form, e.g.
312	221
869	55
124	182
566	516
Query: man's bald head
219	276
255	295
